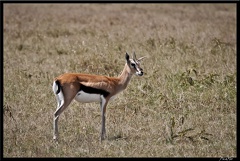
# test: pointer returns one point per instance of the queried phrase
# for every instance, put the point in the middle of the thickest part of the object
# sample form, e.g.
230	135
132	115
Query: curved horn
134	56
141	58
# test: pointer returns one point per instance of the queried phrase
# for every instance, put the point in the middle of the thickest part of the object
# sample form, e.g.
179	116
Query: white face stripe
136	66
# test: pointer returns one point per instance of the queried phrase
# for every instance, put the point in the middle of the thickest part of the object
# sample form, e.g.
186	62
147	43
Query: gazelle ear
141	58
134	56
127	56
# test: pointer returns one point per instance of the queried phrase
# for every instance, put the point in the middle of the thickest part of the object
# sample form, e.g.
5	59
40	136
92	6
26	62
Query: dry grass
184	106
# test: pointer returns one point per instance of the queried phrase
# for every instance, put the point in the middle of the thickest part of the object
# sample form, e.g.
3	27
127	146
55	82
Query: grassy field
184	105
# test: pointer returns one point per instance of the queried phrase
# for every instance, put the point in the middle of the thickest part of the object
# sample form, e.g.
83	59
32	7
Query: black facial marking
92	90
133	65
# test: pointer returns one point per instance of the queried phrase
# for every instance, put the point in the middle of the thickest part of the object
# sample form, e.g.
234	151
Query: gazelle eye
132	64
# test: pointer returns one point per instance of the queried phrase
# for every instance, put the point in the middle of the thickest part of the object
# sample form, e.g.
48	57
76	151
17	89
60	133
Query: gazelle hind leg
63	105
63	101
60	103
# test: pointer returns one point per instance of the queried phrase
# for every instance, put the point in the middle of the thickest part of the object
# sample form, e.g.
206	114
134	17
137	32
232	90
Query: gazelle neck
125	77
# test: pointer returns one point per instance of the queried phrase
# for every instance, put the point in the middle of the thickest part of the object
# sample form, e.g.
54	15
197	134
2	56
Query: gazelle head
134	64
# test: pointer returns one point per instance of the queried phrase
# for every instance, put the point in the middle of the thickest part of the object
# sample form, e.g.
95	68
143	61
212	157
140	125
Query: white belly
86	97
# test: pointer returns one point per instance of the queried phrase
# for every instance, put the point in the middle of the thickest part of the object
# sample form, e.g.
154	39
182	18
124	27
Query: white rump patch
87	97
54	87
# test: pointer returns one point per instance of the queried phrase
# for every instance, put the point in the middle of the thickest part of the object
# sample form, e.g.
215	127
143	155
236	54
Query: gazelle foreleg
103	105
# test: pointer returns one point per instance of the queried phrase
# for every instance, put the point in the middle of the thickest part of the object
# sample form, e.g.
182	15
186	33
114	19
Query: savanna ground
184	105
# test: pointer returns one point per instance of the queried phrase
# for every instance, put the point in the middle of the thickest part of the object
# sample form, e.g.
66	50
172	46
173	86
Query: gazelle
92	88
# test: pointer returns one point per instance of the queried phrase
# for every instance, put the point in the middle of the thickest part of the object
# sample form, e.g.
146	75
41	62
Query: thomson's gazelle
92	88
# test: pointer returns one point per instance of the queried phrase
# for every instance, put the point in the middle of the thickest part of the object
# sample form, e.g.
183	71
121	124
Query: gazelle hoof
55	138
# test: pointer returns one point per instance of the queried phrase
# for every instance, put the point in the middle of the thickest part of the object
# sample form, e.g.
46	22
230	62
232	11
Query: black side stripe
92	90
59	86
